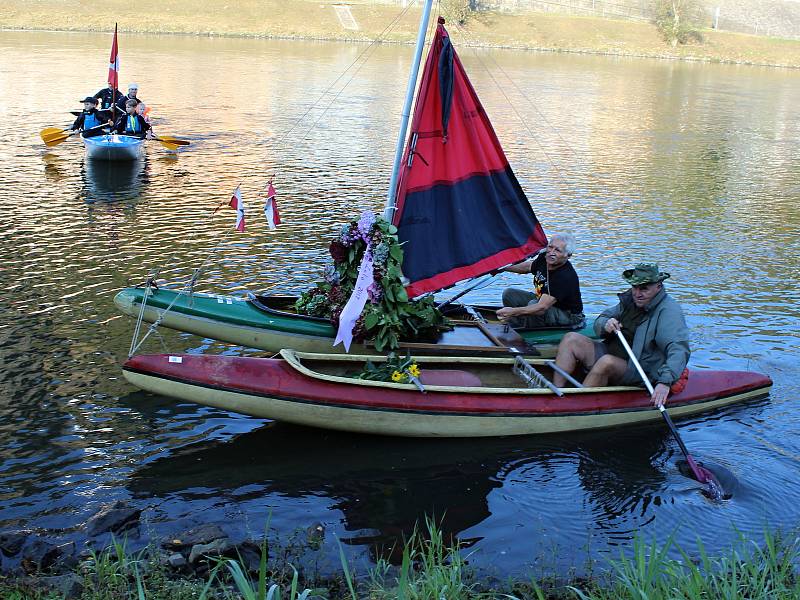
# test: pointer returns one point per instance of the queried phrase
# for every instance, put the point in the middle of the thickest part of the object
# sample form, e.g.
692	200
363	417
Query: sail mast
412	83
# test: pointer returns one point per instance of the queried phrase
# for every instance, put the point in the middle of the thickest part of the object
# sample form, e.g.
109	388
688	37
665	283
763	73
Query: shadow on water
386	486
113	181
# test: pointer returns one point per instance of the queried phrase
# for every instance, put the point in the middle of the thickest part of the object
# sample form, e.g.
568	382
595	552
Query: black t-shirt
562	284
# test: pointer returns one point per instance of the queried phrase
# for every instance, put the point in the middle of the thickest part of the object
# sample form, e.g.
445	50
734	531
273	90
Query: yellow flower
397	377
414	370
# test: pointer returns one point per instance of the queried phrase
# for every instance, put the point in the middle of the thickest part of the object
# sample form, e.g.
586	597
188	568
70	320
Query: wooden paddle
713	488
53	136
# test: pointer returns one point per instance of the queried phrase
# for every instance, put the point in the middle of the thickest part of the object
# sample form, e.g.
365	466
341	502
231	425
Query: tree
679	20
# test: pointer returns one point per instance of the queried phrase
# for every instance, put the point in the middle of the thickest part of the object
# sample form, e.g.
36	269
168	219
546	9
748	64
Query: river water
691	165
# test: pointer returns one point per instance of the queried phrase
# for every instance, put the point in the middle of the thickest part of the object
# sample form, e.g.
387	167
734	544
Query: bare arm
545	302
523	268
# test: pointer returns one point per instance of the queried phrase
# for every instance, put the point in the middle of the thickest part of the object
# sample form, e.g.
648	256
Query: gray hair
568	239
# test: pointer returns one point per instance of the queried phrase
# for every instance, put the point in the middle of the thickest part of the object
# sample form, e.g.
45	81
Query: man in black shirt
556	299
108	96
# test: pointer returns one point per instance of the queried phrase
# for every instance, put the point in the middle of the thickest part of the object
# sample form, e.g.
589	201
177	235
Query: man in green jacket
652	323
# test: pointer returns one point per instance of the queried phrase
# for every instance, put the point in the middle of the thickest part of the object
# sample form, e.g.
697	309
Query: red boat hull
274	389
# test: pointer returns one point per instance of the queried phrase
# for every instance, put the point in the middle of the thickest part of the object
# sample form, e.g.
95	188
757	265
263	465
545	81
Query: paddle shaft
698	473
464	292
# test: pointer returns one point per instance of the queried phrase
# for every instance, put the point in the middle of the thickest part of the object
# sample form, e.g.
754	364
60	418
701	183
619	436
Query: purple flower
365	223
375	292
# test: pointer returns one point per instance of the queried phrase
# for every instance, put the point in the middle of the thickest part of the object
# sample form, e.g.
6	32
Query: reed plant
430	568
749	571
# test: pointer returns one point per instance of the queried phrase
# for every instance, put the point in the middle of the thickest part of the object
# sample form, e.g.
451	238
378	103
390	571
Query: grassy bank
319	20
430	569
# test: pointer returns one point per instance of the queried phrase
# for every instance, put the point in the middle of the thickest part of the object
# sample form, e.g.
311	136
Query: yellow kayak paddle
169	142
53	136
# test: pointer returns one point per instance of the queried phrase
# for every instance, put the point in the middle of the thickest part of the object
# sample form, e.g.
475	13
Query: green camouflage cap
644	273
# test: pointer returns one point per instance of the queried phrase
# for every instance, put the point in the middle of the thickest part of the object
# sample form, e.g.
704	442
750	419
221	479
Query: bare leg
574	350
607	368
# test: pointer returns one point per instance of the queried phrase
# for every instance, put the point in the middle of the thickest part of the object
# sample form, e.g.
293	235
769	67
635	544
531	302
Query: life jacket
90	119
132	124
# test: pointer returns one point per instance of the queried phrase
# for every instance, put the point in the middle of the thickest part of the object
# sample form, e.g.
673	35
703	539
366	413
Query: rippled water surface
692	165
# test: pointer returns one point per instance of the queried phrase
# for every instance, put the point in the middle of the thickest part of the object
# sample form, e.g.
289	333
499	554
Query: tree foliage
457	11
679	21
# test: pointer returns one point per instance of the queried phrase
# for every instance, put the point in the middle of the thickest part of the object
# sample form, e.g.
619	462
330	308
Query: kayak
455	397
270	323
113	147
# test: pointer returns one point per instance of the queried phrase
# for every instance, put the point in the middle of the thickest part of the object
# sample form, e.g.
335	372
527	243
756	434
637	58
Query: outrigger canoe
464	397
270	323
113	147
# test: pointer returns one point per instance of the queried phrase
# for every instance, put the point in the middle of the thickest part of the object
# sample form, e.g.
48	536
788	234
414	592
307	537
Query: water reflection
54	167
113	181
687	164
385	487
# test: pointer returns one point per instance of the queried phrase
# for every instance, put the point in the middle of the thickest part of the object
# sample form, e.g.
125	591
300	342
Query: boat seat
451	377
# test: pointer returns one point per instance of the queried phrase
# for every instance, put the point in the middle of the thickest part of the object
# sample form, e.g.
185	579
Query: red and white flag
271	208
113	63
236	204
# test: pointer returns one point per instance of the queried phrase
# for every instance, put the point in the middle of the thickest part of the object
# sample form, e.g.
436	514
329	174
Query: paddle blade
168	145
173	140
53	135
713	488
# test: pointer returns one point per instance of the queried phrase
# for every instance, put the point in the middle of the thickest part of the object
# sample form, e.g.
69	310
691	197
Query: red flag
113	63
237	204
271	208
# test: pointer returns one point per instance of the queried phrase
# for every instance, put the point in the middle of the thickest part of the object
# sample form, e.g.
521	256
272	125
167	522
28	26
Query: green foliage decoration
389	316
396	368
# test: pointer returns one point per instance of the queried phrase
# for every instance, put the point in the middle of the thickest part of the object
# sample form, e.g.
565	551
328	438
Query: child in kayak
132	123
90	119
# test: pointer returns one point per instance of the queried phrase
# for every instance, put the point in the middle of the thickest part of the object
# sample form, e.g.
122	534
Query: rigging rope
365	54
187	289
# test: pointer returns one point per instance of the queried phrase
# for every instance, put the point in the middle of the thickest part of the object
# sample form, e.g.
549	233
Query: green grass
748	571
433	569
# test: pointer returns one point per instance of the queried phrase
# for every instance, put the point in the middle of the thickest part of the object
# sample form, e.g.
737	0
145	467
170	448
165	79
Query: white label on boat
228	300
220	300
176	359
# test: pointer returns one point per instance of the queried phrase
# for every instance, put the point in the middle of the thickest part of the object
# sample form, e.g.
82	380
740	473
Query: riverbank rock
216	549
11	542
177	561
113	518
68	586
204	534
249	555
41	554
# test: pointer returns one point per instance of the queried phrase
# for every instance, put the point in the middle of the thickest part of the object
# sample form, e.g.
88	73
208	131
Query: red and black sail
460	209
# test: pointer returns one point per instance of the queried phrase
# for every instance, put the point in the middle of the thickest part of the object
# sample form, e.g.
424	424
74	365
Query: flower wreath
389	316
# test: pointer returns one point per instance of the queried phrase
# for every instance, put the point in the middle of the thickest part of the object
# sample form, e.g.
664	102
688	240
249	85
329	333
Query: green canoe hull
236	320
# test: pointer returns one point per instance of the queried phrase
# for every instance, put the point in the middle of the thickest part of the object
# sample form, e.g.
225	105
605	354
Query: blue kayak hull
113	147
